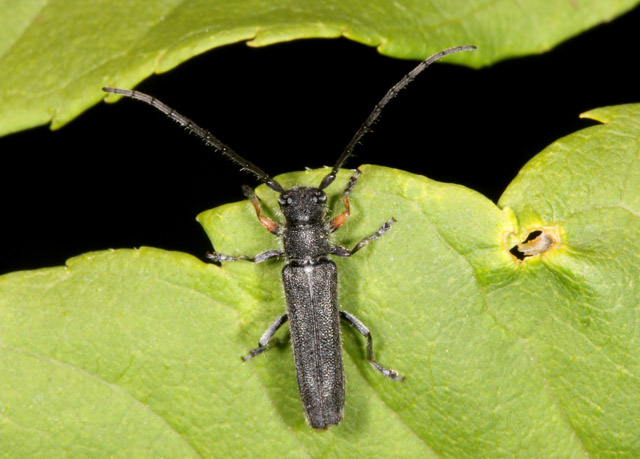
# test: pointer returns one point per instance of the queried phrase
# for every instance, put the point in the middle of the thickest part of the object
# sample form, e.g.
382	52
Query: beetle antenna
393	92
205	135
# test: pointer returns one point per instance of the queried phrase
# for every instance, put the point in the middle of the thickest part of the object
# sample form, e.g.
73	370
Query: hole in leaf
537	242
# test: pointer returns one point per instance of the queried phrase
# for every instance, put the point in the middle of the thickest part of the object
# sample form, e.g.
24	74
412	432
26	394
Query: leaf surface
137	351
56	55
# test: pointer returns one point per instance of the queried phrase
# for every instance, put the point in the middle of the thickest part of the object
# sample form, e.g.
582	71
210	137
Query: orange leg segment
342	218
269	224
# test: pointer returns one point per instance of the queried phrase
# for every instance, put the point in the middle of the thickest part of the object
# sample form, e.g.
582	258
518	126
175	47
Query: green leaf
136	352
56	55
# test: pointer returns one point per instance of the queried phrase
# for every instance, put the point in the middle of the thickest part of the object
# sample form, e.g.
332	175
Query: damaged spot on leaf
537	242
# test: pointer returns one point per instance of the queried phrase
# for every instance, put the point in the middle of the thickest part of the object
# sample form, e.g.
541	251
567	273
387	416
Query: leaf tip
611	113
595	115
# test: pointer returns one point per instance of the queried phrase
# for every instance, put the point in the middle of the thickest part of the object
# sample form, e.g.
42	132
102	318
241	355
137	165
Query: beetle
309	276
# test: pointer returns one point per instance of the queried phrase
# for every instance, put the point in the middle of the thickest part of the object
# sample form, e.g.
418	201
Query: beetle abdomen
314	320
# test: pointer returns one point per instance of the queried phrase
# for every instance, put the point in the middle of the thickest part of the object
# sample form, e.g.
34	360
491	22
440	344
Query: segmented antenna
366	126
205	135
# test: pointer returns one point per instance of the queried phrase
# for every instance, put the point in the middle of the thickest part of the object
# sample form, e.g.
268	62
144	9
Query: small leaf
137	351
56	55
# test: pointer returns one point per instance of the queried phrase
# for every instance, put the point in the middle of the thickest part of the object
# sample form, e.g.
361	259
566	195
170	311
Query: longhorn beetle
309	277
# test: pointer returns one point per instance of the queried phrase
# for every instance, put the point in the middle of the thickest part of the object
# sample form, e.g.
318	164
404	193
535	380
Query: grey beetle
309	277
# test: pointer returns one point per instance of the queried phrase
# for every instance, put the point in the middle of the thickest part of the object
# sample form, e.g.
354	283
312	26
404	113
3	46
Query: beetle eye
282	201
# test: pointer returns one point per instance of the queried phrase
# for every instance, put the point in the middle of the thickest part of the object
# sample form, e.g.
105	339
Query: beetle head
303	205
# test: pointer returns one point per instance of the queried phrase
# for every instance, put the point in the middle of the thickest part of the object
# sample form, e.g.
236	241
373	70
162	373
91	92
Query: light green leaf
132	352
56	55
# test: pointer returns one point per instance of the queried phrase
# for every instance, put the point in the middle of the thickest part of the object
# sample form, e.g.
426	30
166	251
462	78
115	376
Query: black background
122	175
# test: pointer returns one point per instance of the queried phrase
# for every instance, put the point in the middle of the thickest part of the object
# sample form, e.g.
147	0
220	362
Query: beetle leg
263	344
364	331
269	224
343	252
262	256
342	218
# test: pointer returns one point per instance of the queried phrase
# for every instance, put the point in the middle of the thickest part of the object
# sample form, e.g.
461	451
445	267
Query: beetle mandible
309	276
